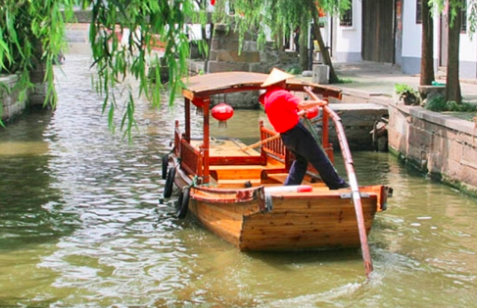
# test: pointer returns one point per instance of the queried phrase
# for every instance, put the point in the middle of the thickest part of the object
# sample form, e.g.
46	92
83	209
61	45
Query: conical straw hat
276	76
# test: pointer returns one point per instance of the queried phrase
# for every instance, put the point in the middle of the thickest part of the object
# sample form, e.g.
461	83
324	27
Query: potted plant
407	94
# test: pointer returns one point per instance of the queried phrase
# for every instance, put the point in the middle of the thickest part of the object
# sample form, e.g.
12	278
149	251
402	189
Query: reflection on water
81	226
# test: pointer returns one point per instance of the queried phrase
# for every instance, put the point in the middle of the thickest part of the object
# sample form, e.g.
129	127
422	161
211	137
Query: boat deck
226	147
238	175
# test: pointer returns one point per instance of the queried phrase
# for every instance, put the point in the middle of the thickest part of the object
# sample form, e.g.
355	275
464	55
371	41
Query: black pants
300	141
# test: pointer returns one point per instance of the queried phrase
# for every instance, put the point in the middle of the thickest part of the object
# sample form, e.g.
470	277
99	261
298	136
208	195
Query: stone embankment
13	104
441	146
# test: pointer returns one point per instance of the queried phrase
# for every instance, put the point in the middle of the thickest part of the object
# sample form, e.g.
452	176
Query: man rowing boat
283	110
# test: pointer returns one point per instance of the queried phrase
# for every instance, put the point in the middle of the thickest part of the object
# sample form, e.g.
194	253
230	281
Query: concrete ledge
360	96
453	123
358	121
441	146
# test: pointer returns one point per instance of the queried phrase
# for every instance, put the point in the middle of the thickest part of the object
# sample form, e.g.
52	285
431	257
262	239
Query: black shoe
344	185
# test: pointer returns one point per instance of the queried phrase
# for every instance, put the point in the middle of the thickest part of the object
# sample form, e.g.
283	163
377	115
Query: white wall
411	32
468	44
468	48
437	31
349	38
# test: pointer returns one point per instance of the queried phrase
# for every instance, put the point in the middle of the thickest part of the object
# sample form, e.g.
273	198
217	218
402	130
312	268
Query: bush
439	104
294	70
344	80
464	107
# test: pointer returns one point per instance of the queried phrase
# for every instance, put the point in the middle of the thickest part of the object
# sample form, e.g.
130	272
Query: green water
81	225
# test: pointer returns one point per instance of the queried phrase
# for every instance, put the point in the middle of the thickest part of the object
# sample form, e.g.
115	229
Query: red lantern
222	112
199	103
312	112
261	98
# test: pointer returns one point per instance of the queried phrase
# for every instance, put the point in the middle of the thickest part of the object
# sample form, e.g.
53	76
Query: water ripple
83	224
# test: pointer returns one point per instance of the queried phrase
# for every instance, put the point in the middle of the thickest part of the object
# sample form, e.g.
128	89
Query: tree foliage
277	18
31	36
32	33
150	22
280	16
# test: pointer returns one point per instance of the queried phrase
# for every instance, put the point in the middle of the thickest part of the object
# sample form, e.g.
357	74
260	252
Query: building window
463	17
346	19
418	12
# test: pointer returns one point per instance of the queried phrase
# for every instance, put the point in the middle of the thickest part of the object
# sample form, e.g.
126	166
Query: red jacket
281	108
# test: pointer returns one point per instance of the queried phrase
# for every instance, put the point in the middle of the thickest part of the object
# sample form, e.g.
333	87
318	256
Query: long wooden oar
368	264
256	144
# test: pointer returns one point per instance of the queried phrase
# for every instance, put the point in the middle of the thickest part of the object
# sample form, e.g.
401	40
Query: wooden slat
290	242
225	224
279	177
238	183
313	220
306	203
295	243
334	237
239	174
296	237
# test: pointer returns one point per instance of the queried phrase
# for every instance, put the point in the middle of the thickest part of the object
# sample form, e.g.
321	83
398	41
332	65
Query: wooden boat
237	191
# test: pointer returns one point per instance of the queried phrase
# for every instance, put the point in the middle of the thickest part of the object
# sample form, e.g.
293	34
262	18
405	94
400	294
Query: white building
393	35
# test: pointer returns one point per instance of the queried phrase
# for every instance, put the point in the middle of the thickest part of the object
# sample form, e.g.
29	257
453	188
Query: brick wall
225	57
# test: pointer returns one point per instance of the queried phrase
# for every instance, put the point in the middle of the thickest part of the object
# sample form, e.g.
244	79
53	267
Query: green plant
436	104
464	107
294	70
401	88
408	94
345	80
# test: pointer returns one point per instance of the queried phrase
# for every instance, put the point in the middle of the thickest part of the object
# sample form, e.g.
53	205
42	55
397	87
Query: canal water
81	225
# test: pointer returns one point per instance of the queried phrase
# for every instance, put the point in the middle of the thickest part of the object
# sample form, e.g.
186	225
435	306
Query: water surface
81	225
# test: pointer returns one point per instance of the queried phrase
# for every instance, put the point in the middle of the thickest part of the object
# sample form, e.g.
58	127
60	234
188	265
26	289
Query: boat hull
284	221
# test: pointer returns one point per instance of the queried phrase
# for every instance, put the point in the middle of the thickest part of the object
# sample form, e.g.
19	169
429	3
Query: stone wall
441	146
358	122
225	56
11	103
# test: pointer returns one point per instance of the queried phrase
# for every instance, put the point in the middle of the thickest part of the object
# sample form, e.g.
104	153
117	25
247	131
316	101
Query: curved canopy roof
209	84
225	82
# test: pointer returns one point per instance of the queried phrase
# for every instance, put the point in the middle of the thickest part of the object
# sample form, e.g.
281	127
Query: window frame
348	14
419	12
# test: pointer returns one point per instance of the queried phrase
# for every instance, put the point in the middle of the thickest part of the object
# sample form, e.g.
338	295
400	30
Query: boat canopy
201	86
218	83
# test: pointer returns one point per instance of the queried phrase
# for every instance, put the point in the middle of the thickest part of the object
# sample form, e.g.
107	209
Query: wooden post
187	119
206	142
